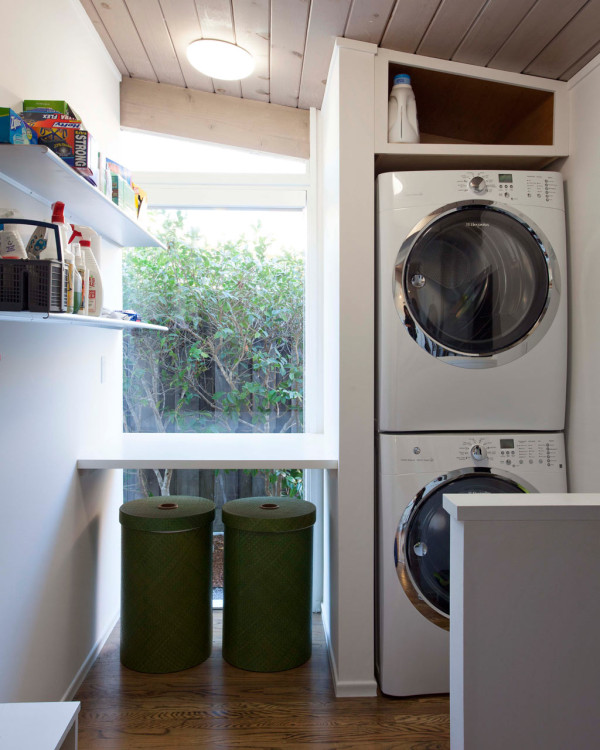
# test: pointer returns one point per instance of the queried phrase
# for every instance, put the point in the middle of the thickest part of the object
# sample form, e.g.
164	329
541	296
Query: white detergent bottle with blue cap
403	126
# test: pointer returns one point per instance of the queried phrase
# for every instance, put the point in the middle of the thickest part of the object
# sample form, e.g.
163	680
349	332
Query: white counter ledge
524	613
523	507
212	451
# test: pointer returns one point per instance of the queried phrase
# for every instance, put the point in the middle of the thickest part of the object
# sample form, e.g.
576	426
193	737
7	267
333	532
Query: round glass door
475	281
422	545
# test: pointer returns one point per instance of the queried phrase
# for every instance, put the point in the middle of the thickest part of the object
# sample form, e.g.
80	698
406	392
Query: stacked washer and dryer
472	361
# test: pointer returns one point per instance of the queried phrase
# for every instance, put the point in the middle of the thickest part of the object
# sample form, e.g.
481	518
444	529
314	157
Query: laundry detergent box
66	137
13	129
49	106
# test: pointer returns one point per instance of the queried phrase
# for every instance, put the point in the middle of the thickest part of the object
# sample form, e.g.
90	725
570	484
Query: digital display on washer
505	178
507	443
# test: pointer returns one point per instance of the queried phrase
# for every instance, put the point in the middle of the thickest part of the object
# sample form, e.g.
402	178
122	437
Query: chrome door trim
412	591
469	360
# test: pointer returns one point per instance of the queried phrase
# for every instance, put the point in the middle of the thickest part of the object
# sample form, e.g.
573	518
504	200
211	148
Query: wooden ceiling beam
214	118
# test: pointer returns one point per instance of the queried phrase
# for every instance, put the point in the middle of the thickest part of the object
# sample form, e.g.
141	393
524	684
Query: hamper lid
173	513
269	514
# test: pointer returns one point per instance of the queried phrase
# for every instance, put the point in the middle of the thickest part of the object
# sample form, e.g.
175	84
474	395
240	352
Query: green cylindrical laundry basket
267	586
166	583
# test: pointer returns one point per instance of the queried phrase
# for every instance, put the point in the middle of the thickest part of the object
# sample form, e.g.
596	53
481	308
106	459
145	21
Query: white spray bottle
89	243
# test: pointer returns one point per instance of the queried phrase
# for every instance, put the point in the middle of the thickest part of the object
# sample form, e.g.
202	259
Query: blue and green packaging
13	129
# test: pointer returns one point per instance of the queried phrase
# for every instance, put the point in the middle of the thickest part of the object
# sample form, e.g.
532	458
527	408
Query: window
230	286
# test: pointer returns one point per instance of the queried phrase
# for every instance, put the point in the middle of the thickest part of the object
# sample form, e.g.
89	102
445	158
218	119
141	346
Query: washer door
422	545
473	283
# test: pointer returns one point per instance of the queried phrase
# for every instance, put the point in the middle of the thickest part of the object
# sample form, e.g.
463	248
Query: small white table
524	621
39	726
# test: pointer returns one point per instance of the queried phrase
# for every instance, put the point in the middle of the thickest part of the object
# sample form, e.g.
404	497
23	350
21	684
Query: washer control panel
523	453
540	188
512	451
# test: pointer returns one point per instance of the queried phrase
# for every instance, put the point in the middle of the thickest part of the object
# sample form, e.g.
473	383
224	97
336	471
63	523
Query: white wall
581	171
59	531
347	184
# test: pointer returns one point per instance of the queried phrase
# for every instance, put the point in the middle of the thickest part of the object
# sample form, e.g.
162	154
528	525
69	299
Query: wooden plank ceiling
292	40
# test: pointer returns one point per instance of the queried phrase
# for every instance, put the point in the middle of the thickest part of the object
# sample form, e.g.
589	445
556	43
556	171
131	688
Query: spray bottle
85	278
90	246
64	230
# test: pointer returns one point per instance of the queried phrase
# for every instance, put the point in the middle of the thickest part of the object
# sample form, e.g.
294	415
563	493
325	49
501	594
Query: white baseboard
89	660
344	688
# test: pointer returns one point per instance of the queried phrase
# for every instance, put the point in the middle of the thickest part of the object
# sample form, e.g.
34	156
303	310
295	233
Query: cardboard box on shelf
119	169
50	105
123	195
70	141
13	129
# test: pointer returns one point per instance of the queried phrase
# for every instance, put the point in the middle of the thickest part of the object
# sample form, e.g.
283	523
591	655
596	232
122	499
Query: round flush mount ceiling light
221	60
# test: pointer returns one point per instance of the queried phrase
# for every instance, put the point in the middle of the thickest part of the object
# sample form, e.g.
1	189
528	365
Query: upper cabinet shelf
471	116
37	171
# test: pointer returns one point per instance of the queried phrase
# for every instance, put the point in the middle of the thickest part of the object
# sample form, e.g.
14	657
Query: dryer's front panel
474	283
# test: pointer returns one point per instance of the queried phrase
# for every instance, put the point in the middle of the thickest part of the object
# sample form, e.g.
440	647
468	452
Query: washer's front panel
412	651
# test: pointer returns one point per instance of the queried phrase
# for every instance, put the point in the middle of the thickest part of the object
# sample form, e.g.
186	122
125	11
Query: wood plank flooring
215	705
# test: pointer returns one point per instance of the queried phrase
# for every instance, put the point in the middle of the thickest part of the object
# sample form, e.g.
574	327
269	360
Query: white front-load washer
472	309
413	563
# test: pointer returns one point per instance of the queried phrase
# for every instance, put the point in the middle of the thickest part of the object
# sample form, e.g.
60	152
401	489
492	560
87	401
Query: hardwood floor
215	705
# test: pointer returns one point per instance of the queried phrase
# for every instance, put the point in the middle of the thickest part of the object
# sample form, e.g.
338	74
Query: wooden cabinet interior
458	109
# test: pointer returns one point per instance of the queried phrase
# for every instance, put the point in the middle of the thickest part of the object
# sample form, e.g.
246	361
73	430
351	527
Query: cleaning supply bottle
94	286
85	278
403	126
64	230
74	282
91	247
11	245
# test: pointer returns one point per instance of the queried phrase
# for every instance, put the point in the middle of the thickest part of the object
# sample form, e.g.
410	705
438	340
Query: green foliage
232	360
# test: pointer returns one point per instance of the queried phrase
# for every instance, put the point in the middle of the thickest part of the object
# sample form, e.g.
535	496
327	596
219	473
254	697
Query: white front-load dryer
472	308
413	548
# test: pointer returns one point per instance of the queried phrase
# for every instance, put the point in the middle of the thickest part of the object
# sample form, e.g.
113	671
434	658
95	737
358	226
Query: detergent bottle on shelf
403	126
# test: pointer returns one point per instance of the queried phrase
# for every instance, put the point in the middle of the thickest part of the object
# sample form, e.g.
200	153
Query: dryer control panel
533	188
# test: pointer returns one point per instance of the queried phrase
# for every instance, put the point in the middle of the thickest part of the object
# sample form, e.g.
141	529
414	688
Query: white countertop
523	507
212	451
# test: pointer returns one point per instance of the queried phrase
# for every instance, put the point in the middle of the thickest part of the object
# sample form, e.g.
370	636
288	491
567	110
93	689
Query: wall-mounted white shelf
77	320
39	172
213	451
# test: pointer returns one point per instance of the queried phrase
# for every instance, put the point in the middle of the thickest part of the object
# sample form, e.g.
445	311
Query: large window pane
230	287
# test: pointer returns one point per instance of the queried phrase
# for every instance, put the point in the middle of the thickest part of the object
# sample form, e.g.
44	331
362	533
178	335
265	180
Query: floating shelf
39	172
77	320
213	451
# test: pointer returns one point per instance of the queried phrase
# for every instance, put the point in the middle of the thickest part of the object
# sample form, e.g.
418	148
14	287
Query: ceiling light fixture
220	60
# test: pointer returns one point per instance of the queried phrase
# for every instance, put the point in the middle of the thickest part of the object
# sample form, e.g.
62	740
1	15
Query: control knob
478	185
478	452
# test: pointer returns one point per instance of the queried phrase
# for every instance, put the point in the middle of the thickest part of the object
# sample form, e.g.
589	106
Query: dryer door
422	545
473	283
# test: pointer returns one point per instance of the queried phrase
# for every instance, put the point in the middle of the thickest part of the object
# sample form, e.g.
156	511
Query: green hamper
267	583
166	583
